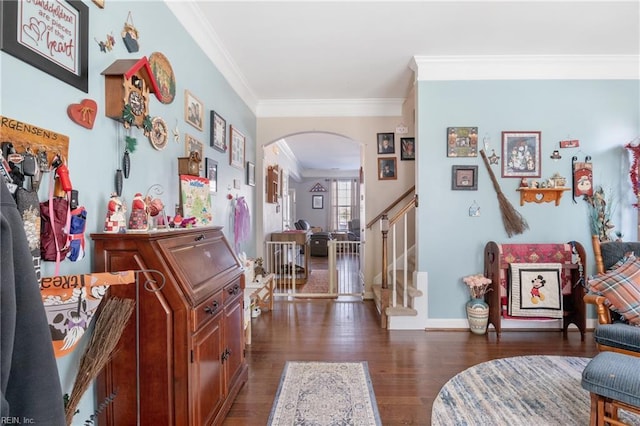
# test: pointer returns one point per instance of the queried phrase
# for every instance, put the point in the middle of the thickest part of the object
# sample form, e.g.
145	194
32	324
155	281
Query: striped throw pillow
621	287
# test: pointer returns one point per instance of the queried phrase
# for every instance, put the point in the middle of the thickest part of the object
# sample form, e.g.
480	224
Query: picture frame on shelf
211	172
386	143
27	34
464	178
193	110
192	144
251	174
317	202
407	149
387	167
236	148
218	132
521	154
462	142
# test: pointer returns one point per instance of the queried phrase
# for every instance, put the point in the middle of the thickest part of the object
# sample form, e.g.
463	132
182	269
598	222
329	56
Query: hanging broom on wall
513	221
110	323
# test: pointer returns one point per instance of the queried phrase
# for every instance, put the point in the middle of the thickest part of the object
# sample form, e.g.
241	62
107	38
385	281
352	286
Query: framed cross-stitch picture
462	141
520	154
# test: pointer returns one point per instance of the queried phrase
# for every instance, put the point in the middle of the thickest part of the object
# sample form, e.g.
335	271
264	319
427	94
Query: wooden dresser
191	361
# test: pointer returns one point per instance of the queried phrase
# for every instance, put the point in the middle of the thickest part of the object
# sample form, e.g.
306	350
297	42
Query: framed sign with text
50	35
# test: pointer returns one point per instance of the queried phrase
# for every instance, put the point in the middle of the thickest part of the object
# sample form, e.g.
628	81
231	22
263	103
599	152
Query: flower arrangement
478	285
601	208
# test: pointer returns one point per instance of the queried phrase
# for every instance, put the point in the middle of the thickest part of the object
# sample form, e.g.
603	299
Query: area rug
325	394
317	283
531	390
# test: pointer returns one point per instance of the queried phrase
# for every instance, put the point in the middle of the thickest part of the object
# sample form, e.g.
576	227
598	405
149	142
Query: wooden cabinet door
207	385
234	345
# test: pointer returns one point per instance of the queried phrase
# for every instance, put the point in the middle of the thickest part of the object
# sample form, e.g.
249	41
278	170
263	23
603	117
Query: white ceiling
304	52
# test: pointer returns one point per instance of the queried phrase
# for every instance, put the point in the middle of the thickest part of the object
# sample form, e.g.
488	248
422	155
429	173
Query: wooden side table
258	293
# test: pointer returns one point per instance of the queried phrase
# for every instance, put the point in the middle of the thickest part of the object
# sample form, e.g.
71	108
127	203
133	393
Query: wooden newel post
384	227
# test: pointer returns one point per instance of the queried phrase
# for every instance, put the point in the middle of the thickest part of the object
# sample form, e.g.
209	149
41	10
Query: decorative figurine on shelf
258	270
115	221
524	183
138	219
155	208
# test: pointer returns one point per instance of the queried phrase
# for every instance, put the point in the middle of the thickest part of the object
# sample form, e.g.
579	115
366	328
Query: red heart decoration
84	113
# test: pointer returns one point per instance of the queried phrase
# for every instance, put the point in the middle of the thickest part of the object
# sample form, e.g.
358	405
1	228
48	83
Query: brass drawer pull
234	290
200	237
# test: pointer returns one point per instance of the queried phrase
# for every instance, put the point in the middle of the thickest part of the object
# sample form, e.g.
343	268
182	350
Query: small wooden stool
613	380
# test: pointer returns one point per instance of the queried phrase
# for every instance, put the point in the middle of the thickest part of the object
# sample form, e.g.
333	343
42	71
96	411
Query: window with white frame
344	203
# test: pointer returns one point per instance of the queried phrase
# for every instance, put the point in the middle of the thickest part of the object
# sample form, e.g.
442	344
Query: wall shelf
541	195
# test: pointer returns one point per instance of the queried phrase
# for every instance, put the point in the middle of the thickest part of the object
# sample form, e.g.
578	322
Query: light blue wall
34	97
603	115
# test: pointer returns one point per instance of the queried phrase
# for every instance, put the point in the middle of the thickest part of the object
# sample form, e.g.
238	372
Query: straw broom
109	326
513	221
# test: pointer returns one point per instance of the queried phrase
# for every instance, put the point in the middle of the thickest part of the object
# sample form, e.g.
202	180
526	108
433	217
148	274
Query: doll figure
115	221
138	220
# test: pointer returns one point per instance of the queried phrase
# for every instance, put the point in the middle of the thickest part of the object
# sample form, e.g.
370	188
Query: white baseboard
463	324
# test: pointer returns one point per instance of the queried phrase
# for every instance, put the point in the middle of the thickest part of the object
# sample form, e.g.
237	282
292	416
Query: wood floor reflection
407	368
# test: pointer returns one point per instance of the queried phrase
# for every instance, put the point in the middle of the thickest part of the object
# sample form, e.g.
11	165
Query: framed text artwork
520	154
462	141
50	35
236	150
317	201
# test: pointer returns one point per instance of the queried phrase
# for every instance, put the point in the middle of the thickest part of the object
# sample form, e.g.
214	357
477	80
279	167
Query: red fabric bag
53	228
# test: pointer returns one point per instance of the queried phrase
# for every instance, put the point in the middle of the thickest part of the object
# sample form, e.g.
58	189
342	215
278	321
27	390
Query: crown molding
526	67
330	108
191	17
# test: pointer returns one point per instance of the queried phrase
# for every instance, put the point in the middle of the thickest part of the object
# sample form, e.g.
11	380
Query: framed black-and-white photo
317	201
251	174
193	110
218	132
34	32
211	169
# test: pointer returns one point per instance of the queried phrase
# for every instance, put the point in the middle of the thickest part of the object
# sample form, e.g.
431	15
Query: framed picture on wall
317	201
407	149
60	50
387	168
251	174
464	178
193	110
386	143
462	141
192	144
521	154
236	148
218	132
211	172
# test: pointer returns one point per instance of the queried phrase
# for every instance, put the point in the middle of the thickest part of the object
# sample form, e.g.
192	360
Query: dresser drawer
202	313
232	291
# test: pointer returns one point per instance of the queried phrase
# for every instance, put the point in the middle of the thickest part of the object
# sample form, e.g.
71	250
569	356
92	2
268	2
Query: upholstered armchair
615	293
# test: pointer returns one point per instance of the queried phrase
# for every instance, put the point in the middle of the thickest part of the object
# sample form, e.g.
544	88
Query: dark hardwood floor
407	368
